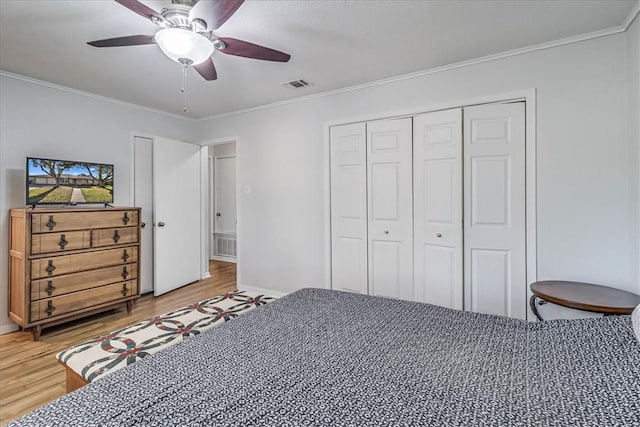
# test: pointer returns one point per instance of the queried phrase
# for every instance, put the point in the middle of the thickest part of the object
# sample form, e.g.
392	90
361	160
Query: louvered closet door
494	209
389	183
437	186
348	208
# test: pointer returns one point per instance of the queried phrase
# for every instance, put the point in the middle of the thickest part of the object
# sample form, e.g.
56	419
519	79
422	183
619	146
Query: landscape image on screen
65	182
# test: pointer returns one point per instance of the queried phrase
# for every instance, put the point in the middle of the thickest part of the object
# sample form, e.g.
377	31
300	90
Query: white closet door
437	186
494	209
390	194
348	208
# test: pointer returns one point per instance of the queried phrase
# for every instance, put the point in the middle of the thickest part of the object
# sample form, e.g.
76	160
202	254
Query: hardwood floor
30	375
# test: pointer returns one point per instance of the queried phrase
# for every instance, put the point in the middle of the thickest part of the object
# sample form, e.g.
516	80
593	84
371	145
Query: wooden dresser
69	263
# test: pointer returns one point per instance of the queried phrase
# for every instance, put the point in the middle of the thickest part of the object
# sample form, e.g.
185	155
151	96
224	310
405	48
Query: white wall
584	214
633	70
49	122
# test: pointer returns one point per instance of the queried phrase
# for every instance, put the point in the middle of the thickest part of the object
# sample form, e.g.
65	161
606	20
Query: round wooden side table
583	296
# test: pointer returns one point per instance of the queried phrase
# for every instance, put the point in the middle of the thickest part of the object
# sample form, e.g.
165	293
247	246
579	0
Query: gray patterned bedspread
319	357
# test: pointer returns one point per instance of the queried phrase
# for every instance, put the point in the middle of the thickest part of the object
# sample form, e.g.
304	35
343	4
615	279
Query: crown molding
32	80
633	14
534	48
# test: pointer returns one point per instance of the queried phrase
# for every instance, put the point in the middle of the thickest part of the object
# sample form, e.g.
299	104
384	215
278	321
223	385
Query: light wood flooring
30	375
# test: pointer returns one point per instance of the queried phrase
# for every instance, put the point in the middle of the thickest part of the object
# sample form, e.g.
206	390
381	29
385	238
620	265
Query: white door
494	209
349	208
390	213
143	198
176	197
437	187
225	195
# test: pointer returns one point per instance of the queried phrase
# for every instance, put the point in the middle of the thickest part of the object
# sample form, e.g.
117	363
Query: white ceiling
334	44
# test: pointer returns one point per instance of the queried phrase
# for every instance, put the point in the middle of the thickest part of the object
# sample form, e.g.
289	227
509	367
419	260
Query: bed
321	357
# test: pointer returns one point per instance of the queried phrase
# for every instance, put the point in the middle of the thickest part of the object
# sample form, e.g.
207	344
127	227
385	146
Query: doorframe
529	97
132	192
205	191
213	203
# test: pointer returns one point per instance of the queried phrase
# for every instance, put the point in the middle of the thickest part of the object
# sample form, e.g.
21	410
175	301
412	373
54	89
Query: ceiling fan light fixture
184	46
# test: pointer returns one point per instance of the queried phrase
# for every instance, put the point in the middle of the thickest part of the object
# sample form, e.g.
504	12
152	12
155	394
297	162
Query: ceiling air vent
297	84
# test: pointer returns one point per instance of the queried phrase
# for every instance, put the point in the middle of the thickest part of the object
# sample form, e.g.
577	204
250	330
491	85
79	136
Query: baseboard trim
7	329
267	292
225	259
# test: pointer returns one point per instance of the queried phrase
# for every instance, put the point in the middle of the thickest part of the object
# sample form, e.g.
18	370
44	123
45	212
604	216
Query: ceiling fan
187	34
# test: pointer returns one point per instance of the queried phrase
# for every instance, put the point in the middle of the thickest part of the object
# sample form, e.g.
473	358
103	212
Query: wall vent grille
297	84
225	245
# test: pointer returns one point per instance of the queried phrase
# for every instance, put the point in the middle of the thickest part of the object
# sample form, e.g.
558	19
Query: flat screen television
53	182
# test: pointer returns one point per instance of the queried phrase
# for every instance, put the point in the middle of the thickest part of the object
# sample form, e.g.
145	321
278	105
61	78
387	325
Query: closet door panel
385	269
348	208
495	229
437	163
390	227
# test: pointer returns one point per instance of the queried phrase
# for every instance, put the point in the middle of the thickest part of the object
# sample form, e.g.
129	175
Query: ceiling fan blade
138	39
249	50
214	13
207	70
140	8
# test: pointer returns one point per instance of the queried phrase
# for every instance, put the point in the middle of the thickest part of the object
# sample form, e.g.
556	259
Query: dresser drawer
60	242
65	221
60	285
56	306
114	236
65	264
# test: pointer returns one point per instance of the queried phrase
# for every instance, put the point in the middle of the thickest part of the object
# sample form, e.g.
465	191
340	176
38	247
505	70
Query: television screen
68	182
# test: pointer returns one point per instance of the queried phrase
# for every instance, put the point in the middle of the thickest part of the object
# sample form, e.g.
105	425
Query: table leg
534	308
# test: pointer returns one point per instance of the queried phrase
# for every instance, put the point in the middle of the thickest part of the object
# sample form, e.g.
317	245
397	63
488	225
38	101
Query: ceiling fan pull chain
184	87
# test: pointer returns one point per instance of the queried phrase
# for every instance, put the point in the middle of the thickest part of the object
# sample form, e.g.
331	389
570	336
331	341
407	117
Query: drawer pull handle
50	267
50	308
125	273
51	223
124	290
125	256
50	287
125	218
116	236
63	241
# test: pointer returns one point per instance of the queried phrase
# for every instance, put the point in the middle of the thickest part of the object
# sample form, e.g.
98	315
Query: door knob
386	231
217	213
161	224
439	235
143	224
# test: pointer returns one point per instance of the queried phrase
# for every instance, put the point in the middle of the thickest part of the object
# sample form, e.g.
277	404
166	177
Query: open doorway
223	235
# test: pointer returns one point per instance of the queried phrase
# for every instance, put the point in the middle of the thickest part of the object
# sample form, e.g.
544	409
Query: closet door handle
386	231
439	235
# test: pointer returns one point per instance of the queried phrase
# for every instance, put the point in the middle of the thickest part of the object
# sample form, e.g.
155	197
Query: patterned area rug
108	353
